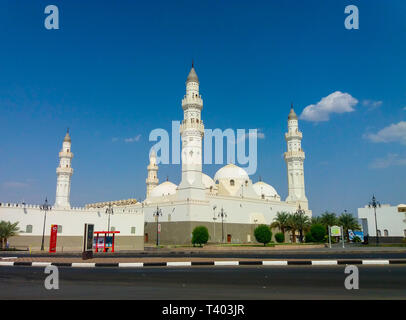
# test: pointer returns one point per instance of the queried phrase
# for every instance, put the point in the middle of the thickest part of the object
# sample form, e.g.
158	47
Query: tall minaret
152	179
192	131
64	173
294	158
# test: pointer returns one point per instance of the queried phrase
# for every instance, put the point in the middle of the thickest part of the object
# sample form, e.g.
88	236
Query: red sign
159	228
52	240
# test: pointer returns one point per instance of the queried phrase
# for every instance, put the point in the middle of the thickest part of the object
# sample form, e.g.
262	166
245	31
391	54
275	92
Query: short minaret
64	173
152	179
192	131
294	158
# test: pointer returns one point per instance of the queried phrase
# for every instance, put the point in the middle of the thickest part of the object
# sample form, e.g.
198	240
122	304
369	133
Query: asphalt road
313	254
210	283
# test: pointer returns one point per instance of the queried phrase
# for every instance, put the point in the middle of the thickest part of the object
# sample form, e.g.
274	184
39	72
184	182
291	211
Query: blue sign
353	234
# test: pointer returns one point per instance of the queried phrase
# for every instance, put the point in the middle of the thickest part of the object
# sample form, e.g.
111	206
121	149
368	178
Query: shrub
263	234
309	237
200	235
280	237
318	232
356	239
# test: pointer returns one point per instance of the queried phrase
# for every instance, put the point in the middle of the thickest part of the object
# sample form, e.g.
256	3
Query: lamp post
223	215
109	211
45	207
301	213
214	223
156	214
374	204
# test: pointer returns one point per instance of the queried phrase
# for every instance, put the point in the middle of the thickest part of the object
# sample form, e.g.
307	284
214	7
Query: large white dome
262	188
231	171
207	181
164	189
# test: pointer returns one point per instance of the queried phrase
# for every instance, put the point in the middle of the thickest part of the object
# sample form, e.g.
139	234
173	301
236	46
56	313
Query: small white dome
262	188
164	189
207	181
231	171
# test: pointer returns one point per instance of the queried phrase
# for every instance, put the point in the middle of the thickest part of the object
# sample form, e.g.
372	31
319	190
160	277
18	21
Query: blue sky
116	70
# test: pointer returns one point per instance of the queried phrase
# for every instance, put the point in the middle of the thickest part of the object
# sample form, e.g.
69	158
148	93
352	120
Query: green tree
200	235
318	232
7	230
328	219
281	221
316	220
348	221
280	237
309	237
263	234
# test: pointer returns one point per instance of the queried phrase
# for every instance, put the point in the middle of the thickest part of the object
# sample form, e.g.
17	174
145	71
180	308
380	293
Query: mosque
230	204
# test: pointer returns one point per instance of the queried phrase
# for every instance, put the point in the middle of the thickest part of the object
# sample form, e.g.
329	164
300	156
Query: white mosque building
230	204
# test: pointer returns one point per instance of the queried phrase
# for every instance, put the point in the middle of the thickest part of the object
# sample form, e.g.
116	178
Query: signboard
353	234
159	228
88	237
100	242
52	240
335	231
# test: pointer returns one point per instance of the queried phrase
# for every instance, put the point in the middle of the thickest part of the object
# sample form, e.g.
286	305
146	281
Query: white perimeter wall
73	221
387	218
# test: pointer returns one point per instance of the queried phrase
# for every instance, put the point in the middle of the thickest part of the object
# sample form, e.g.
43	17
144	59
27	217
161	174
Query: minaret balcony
192	125
293	135
64	154
65	170
294	155
191	102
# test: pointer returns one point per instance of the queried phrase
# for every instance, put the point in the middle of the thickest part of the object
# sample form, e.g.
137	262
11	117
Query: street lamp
223	215
301	213
109	211
45	207
156	214
214	223
374	204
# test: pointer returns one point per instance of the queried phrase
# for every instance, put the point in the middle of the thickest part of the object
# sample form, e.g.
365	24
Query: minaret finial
193	63
67	130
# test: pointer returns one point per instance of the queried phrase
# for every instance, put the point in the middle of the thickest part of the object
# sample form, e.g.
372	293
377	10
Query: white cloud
260	135
114	139
393	133
134	139
371	104
392	159
15	184
336	102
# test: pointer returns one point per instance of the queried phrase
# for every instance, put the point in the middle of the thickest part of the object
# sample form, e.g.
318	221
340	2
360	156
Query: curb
202	263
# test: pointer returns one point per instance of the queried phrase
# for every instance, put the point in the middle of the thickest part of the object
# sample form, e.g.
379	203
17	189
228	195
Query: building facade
230	204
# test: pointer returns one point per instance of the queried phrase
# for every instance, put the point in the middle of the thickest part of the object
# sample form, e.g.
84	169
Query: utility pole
45	207
156	214
223	215
374	204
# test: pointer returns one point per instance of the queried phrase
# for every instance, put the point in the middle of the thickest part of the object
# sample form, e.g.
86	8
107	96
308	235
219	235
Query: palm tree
348	221
281	221
328	219
302	223
292	226
7	230
316	220
298	221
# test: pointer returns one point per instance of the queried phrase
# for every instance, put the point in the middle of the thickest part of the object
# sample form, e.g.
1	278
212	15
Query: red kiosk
104	235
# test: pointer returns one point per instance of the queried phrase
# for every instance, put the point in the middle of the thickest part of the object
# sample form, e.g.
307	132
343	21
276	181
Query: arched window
232	182
262	196
385	233
28	228
59	229
132	230
404	232
113	229
211	188
379	233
